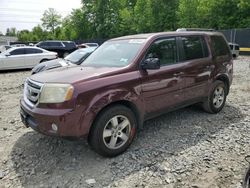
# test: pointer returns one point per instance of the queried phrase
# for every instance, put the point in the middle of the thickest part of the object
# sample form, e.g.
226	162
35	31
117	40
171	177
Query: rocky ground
185	148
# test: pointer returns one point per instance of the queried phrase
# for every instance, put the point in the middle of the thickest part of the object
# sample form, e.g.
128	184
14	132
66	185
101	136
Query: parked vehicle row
126	81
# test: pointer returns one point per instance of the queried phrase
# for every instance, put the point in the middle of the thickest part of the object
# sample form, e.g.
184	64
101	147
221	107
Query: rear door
162	88
15	59
197	62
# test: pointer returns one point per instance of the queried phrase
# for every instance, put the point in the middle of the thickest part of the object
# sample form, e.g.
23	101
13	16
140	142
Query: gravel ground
185	148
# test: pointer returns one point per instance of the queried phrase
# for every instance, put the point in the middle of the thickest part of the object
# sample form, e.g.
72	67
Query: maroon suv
126	81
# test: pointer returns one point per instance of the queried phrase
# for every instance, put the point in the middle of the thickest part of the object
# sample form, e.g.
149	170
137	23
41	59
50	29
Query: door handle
178	74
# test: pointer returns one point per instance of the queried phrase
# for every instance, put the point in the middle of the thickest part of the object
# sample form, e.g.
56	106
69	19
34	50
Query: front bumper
41	120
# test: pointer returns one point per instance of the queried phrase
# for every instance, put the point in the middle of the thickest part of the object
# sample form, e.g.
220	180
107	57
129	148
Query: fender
102	100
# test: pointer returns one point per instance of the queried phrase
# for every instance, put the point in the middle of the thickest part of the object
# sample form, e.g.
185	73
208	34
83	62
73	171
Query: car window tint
17	52
70	44
58	44
32	51
194	47
43	44
165	50
220	46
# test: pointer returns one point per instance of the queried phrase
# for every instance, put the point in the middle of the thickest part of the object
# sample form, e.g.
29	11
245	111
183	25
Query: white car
24	57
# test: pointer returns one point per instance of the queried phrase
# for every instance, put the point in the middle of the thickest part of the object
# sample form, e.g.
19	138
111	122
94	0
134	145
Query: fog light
54	127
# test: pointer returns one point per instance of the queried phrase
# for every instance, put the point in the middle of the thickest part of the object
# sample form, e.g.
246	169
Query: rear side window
220	46
33	51
194	47
165	50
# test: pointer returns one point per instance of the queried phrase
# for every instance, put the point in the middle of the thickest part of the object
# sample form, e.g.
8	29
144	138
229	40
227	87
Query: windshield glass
78	55
115	53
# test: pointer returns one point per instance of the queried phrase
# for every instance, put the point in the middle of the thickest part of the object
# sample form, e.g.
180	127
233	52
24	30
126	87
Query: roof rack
194	29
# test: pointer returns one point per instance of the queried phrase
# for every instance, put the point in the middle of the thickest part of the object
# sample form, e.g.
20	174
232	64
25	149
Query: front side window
194	47
17	52
117	53
165	50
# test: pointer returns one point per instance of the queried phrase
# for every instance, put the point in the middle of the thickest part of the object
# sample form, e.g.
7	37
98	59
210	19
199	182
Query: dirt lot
185	148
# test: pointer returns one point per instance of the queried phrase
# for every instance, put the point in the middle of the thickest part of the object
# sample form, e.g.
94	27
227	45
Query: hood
72	74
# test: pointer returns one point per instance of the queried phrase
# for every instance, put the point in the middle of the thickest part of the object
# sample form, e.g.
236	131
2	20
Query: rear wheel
113	131
216	99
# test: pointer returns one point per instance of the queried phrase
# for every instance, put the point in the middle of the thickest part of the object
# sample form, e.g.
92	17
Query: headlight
56	93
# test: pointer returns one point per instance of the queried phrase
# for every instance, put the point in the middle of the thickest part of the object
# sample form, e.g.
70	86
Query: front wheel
113	131
216	99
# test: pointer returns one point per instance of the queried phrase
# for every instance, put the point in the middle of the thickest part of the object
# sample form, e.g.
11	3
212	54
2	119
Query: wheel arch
43	60
125	103
224	78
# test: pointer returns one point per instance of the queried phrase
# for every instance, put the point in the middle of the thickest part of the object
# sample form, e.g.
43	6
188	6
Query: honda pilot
126	81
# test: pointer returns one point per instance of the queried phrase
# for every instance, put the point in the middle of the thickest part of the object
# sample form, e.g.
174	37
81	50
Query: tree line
102	19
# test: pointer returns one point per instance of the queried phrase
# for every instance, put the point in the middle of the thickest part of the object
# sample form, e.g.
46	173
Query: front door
15	59
162	88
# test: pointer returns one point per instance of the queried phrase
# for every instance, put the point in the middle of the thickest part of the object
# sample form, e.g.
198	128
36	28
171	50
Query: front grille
32	90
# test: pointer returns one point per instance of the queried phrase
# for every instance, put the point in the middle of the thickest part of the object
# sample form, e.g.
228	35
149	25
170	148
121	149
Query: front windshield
78	55
118	53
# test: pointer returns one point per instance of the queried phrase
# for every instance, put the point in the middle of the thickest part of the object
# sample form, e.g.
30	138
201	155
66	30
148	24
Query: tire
65	54
113	131
246	180
216	99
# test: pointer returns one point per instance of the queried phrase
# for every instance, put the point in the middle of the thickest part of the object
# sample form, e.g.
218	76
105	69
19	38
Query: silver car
24	57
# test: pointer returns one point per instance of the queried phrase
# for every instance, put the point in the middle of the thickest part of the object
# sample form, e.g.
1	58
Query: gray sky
25	14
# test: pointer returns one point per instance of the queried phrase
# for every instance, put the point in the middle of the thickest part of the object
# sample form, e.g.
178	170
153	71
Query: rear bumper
41	120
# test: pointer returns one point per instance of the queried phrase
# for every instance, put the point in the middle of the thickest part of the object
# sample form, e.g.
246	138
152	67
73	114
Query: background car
17	45
4	48
235	49
24	57
63	48
87	45
75	58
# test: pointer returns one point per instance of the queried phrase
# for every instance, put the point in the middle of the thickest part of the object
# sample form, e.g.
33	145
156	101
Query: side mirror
151	64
